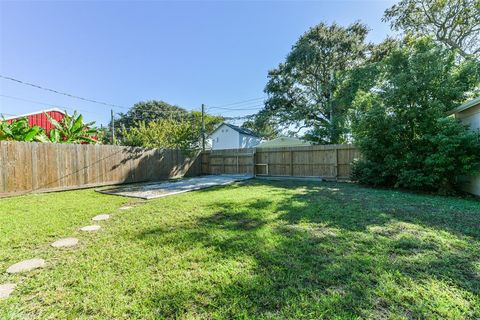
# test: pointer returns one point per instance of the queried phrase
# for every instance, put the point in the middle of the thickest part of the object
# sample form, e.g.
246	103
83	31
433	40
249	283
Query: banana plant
19	130
71	129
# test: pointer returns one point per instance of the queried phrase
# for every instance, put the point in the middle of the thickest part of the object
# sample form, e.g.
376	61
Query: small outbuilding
38	118
469	114
282	142
228	136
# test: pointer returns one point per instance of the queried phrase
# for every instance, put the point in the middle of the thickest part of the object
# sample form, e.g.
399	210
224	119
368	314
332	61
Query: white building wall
471	117
225	138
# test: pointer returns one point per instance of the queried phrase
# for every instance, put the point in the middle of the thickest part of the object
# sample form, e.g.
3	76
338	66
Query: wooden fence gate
324	161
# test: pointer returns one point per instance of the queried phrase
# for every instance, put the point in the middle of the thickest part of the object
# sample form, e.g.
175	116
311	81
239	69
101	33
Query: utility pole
112	121
203	127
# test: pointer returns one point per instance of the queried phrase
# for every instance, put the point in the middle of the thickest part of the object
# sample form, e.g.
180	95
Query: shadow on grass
326	251
374	206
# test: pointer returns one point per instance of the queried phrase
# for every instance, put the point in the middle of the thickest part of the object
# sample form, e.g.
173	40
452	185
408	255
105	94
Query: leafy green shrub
434	163
163	133
18	130
71	129
400	125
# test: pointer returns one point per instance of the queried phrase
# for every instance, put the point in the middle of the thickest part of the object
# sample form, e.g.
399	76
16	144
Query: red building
39	118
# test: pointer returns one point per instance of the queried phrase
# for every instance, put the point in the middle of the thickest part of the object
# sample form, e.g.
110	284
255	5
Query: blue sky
185	53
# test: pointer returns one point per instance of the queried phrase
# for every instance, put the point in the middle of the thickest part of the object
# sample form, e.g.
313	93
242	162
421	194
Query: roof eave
465	106
36	112
233	128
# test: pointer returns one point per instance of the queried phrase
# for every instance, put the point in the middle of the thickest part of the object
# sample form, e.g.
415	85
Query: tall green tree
149	111
138	119
170	133
400	124
163	133
263	125
455	23
301	90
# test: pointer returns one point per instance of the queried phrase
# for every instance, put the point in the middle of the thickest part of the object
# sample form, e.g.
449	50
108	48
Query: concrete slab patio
167	188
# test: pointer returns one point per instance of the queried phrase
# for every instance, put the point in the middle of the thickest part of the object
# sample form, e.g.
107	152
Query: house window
217	139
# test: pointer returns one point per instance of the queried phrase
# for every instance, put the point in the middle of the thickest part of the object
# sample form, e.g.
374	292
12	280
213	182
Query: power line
239	102
75	109
8	114
63	93
44	103
248	116
185	113
255	107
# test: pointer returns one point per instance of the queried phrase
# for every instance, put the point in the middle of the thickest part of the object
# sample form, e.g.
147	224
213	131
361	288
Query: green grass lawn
257	250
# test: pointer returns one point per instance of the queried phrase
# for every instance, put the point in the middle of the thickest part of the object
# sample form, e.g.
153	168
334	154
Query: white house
469	114
228	136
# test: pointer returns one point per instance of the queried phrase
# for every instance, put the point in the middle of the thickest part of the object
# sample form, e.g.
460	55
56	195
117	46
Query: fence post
336	162
254	161
291	163
223	164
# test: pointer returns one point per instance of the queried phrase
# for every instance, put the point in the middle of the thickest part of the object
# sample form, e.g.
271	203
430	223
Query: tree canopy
150	111
301	90
263	125
455	23
157	124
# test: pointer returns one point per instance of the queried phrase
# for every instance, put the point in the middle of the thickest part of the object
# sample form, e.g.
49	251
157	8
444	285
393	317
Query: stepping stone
26	265
90	228
126	207
101	217
6	289
65	243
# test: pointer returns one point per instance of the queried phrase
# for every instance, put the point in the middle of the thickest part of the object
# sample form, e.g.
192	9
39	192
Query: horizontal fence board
325	161
37	167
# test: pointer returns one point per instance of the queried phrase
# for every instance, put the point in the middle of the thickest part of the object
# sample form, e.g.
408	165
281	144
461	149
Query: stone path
32	264
65	243
90	228
6	289
101	217
26	265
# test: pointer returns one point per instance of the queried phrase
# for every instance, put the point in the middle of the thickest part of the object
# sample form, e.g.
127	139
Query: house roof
283	142
36	112
236	128
465	106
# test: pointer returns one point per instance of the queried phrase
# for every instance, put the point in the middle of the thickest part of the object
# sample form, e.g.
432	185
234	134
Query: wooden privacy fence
325	161
33	167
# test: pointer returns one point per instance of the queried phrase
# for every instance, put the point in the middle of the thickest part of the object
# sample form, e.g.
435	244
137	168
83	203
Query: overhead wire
223	111
8	114
46	104
243	104
75	109
239	102
63	93
254	107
